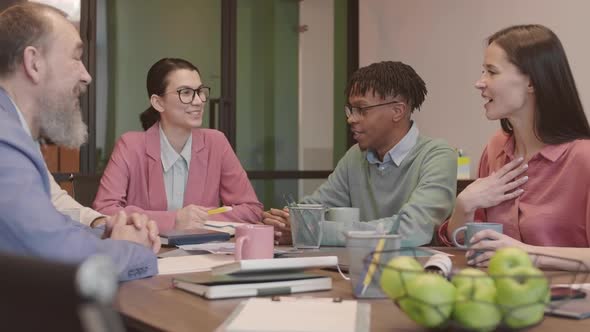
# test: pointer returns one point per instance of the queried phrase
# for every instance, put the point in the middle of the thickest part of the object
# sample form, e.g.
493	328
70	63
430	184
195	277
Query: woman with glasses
176	171
533	173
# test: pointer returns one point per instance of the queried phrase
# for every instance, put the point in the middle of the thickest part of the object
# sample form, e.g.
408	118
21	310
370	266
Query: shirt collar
551	152
170	156
399	152
21	117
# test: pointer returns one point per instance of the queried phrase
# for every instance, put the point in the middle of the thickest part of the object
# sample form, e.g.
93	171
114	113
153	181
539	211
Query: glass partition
290	67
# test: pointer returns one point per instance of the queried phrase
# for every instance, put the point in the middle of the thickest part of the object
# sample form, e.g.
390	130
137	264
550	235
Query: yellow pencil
373	266
219	210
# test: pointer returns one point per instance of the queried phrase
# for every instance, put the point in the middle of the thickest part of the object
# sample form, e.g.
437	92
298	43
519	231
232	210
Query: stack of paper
304	314
195	263
223	226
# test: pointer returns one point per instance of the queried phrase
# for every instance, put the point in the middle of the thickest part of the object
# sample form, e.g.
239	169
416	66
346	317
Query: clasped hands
136	228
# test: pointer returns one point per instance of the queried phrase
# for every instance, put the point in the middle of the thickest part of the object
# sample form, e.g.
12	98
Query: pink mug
254	242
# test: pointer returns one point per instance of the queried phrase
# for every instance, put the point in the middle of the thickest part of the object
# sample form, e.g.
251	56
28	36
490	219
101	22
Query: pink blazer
133	180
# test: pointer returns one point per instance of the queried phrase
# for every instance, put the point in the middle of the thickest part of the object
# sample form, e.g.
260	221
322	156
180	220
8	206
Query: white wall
316	89
444	42
101	79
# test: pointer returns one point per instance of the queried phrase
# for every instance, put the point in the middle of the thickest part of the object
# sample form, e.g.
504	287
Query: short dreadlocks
389	78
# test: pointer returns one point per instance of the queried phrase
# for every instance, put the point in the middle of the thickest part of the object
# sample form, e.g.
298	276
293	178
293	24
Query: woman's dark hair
537	52
157	83
388	78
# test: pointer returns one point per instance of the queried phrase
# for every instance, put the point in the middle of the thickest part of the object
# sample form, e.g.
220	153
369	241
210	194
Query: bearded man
41	79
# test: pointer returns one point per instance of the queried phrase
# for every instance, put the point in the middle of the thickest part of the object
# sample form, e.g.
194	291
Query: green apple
430	300
396	275
475	306
506	259
522	296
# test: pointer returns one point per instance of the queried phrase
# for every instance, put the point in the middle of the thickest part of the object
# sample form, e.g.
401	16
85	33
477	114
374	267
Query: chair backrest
85	188
41	295
462	184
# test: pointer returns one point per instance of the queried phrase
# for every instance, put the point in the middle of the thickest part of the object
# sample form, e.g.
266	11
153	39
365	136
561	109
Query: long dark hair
157	83
537	52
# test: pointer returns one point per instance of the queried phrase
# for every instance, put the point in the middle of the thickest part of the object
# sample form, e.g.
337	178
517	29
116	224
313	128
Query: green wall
267	91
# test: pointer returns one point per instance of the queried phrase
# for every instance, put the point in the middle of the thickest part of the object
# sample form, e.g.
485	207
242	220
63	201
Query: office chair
41	295
85	188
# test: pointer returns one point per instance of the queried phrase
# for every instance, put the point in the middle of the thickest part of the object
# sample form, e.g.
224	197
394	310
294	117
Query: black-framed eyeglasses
350	110
187	95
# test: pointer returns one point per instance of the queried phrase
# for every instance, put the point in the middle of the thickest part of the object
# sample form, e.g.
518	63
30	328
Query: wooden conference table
154	305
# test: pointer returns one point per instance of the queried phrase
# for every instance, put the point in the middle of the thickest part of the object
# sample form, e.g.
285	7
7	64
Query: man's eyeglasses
187	95
362	111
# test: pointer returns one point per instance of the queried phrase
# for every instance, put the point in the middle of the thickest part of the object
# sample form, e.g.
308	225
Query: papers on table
193	263
253	315
222	226
212	247
225	248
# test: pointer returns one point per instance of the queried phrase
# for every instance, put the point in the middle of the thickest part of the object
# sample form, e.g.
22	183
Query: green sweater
409	200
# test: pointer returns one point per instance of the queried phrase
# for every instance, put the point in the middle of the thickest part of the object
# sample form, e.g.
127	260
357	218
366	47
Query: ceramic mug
471	228
343	214
254	242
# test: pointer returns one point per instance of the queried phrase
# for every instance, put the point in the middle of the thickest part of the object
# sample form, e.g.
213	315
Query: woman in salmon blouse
176	171
533	173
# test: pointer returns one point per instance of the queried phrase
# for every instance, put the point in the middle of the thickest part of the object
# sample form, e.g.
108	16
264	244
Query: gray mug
471	228
343	214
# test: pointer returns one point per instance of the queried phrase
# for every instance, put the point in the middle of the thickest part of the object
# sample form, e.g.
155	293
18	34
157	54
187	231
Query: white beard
61	123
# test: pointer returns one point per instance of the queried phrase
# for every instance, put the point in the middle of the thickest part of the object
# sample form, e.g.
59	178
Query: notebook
212	286
192	236
299	314
572	308
275	264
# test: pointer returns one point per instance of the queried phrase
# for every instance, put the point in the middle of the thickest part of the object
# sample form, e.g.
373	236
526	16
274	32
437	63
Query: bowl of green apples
512	295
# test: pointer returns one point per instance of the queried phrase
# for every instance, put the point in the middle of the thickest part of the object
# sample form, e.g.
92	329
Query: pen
372	266
219	210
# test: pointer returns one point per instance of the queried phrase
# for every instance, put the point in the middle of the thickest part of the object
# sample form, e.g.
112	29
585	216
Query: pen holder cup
473	301
306	225
365	276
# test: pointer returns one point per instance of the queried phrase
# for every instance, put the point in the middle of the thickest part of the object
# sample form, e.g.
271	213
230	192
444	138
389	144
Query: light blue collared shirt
24	124
397	154
30	224
175	167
